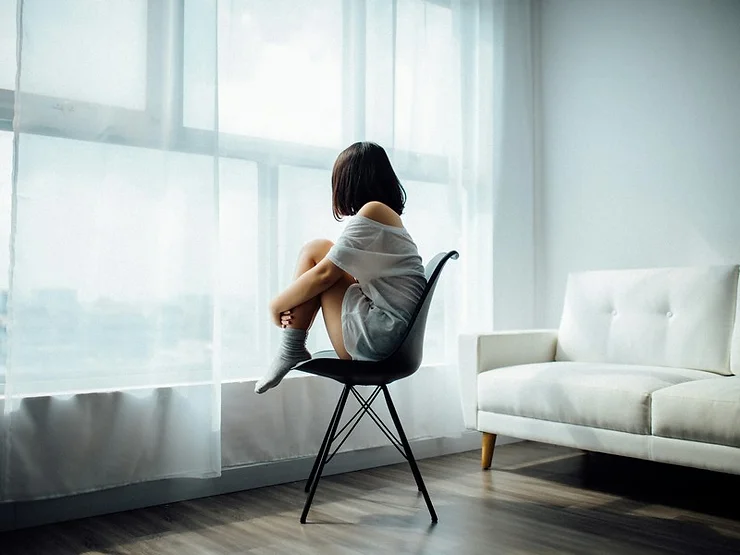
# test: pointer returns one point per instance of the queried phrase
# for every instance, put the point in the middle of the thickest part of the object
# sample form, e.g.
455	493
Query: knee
317	248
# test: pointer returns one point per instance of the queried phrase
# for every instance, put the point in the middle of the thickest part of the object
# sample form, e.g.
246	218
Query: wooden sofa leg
488	442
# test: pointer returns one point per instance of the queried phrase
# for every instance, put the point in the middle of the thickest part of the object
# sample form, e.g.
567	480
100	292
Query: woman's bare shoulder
381	213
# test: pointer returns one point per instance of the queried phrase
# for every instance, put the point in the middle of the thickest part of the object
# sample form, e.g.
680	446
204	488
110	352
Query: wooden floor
537	499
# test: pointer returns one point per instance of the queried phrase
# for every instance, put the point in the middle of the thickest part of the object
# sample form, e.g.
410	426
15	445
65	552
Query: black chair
404	361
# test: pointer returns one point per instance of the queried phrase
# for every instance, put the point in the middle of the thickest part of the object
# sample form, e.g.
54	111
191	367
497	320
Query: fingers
286	318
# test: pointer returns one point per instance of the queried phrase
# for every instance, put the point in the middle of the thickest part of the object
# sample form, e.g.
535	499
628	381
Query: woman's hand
286	318
281	319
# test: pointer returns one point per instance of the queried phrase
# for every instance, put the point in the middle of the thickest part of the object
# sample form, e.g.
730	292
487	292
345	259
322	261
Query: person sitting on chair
367	285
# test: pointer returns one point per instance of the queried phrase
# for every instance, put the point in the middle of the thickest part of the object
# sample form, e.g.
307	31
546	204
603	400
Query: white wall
640	142
513	162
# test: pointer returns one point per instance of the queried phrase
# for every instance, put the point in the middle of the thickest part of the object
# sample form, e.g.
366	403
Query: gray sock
292	351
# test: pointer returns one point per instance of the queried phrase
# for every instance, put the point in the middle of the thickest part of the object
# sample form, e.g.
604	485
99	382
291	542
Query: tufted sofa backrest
677	317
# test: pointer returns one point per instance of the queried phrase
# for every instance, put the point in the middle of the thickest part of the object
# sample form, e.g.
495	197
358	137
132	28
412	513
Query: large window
111	271
289	99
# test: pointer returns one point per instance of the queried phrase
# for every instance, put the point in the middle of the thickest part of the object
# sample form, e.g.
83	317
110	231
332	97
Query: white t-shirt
390	281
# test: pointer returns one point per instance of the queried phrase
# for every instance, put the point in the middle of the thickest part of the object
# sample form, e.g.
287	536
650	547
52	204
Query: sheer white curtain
112	370
298	82
172	157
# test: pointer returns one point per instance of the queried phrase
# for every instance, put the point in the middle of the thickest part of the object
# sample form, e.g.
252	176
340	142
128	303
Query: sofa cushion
675	317
706	411
610	396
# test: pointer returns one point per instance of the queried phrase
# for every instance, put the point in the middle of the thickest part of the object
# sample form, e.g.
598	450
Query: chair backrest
407	357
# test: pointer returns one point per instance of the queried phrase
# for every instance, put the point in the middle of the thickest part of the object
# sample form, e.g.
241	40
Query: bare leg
293	342
330	301
331	308
311	254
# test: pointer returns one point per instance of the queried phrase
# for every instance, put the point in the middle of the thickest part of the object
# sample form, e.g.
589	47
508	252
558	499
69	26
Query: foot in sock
292	351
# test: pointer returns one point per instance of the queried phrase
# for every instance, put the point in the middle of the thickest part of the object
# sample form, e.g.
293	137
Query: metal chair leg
320	469
322	450
409	454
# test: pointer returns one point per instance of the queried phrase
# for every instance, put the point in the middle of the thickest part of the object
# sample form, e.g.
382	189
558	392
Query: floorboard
536	499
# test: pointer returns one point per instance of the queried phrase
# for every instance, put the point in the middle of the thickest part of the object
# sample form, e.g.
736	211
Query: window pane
424	51
7	44
304	213
280	71
243	313
6	164
86	50
113	271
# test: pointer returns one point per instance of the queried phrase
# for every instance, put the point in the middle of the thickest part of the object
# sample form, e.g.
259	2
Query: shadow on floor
647	482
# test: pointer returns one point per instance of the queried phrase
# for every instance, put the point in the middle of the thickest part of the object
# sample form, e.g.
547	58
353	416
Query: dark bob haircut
362	174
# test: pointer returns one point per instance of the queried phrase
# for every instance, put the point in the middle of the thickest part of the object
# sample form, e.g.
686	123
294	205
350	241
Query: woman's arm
309	285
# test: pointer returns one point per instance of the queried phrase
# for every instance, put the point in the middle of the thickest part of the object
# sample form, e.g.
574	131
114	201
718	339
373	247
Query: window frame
54	111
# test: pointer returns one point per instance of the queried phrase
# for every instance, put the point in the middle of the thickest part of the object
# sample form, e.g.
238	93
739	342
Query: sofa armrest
480	352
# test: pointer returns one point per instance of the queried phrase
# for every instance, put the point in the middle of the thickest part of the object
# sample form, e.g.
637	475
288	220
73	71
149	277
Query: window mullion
154	62
354	14
165	47
176	84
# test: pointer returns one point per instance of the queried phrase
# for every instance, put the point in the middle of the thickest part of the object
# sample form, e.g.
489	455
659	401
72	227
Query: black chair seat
351	372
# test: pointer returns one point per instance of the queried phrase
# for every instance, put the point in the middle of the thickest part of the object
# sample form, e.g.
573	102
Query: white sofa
645	363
